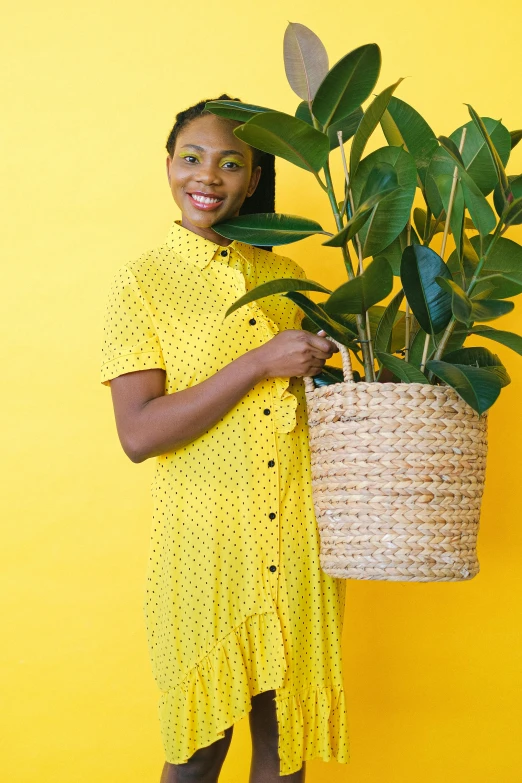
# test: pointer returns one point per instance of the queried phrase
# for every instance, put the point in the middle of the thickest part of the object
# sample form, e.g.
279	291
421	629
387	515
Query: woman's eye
232	162
186	157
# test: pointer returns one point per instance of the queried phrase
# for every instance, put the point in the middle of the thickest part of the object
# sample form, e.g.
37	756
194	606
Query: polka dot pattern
236	602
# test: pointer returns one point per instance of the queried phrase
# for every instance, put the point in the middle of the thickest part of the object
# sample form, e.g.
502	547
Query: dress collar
201	251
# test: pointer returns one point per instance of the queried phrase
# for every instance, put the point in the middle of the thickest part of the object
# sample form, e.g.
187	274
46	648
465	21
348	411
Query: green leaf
513	214
489	309
515	137
382	177
375	314
481	213
322	319
499	166
475	154
356	222
287	137
505	261
305	58
463	271
430	304
461	304
365	290
347	85
381	182
515	186
392	213
348	321
235	110
403	370
439	183
401	120
348	125
329	375
369	122
450	145
383	335
477	386
417	346
479	357
393	253
276	287
419	218
268	228
509	339
502	268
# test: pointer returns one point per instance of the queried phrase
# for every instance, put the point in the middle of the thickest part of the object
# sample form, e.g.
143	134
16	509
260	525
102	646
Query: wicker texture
397	477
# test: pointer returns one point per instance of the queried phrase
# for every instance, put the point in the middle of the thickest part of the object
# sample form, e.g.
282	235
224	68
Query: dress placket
279	418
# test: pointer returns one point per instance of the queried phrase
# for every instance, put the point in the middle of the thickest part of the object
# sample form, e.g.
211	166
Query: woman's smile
206	203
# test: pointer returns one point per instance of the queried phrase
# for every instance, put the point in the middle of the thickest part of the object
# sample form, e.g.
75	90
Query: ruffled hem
312	724
217	693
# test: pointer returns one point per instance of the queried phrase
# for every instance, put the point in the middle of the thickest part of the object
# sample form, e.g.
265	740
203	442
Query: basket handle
347	366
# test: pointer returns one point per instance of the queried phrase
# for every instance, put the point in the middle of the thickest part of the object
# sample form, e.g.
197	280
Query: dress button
273	568
252	322
272	515
271	463
224	252
267	411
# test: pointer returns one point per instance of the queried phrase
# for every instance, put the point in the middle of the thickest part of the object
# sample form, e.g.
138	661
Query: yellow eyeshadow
228	160
233	160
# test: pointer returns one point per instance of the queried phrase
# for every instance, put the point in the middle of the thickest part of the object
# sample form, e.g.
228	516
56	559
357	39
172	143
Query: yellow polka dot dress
236	602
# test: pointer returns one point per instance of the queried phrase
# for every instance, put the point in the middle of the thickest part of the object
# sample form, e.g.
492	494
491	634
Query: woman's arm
150	422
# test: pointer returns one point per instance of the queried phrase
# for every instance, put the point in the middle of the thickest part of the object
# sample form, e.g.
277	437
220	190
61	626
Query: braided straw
397	479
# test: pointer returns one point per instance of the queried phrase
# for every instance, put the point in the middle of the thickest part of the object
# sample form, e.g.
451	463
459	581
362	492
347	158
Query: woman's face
209	161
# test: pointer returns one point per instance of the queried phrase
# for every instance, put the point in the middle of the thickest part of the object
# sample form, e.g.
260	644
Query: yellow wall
89	91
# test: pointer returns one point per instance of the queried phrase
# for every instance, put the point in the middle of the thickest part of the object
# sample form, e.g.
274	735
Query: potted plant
398	447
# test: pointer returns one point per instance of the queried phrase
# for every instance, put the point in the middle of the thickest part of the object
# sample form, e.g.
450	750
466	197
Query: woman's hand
293	352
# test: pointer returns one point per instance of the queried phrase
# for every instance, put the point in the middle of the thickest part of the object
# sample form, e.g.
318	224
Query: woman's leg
203	766
264	731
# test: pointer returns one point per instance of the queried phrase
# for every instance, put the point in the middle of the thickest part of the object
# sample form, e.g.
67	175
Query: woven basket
397	479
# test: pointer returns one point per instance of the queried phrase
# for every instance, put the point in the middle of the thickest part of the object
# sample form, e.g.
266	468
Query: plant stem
361	325
426	238
407	317
331	196
369	363
431	233
478	270
450	327
425	352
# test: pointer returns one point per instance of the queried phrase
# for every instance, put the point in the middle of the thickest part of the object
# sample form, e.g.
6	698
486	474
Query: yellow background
89	93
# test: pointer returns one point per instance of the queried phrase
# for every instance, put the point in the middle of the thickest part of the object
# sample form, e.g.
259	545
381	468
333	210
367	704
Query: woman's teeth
205	199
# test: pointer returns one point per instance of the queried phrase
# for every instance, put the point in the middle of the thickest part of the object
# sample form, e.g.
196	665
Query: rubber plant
420	335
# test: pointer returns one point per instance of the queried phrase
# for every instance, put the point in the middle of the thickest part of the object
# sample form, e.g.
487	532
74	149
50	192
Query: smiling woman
219	175
240	617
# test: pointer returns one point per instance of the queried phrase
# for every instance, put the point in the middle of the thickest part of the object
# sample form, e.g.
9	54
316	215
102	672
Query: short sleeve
130	341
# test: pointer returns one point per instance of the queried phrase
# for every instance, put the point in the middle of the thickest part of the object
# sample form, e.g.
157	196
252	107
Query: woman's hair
263	198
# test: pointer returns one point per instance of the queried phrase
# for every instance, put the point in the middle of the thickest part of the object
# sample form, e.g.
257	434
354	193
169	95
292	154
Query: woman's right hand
293	352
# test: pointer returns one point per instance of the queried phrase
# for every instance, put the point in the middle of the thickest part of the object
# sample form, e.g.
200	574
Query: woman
240	618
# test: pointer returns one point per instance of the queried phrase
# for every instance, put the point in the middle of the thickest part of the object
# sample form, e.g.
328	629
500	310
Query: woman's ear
254	180
168	162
